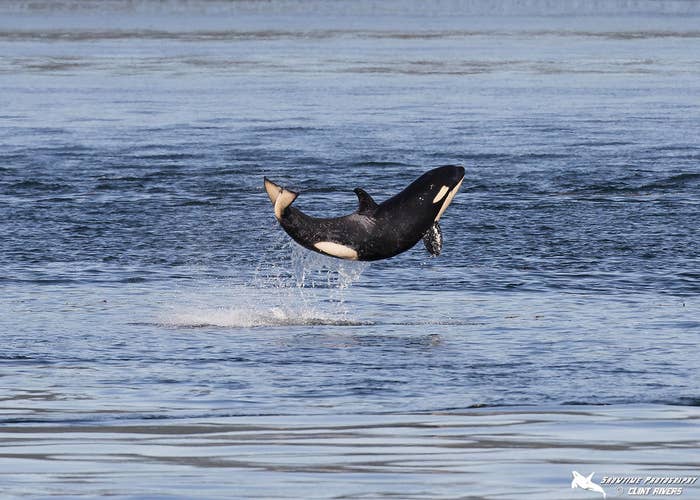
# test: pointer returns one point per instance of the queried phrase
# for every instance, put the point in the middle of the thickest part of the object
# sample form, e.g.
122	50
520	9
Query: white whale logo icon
586	483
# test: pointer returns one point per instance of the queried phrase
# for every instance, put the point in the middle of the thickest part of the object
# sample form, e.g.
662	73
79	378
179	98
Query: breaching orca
374	231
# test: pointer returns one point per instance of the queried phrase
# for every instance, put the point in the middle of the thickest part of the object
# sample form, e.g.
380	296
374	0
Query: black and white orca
374	231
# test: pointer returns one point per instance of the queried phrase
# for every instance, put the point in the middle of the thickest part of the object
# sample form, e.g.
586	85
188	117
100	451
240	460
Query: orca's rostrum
374	231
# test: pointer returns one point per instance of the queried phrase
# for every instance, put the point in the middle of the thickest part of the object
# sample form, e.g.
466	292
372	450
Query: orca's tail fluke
279	197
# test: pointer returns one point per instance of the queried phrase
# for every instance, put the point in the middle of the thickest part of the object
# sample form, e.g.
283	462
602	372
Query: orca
375	230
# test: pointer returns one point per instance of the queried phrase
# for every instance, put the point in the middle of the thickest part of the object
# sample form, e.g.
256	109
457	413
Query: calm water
160	337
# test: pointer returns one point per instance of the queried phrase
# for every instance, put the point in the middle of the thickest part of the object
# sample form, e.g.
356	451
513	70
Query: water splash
308	289
316	270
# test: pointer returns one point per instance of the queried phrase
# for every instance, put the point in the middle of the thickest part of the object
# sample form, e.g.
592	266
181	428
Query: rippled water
162	337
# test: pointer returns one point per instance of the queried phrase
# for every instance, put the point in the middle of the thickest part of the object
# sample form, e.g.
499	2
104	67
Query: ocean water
161	337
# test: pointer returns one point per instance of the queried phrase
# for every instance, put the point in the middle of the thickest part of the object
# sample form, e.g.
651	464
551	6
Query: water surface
161	337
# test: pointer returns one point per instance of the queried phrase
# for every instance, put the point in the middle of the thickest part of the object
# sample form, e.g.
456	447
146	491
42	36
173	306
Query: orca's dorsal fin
366	204
590	476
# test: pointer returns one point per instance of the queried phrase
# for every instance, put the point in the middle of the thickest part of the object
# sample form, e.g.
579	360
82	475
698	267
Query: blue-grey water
161	337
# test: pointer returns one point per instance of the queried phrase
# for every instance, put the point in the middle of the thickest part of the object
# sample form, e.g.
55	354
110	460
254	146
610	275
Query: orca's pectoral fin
432	239
367	205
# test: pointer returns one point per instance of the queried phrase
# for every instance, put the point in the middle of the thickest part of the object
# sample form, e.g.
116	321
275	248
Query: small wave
436	323
195	203
172	156
34	185
624	187
683	401
601	144
577	402
674	182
